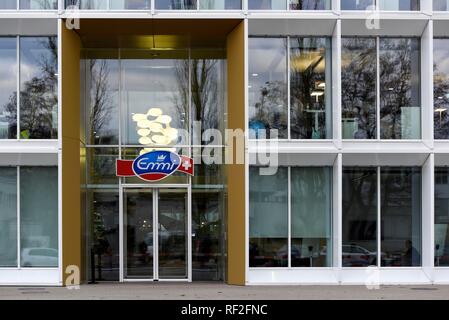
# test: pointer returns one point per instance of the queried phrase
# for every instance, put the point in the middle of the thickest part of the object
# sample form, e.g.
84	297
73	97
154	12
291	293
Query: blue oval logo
156	165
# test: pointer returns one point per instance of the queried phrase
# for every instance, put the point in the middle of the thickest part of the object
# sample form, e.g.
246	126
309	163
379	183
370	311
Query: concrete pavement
220	291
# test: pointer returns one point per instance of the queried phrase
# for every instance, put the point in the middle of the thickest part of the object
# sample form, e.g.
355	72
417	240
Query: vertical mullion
289	219
18	216
379	231
377	88
121	233
120	107
155	234
288	89
18	87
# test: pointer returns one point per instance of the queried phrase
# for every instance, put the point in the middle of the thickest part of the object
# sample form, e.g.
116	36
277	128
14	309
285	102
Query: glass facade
441	217
381	217
440	5
39	4
8	90
35	191
308	217
440	88
357	4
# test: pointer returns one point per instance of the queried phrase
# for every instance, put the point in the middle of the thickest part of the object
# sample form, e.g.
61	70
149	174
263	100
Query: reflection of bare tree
38	97
441	104
100	101
39	4
358	79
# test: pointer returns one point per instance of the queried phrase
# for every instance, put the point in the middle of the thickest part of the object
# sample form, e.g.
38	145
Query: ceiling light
322	85
440	109
255	74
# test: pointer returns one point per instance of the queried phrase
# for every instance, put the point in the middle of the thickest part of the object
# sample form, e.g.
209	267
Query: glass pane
220	4
39	4
268	218
441	216
441	88
267	4
88	4
358	82
311	196
101	165
310	88
310	4
155	99
268	87
104	233
208	98
8	89
400	101
38	88
175	4
399	5
172	219
130	4
138	233
401	217
208	242
356	4
8	217
359	222
440	5
101	101
39	216
8	4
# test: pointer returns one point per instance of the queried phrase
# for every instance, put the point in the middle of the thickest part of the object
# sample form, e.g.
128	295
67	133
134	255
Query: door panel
138	234
172	220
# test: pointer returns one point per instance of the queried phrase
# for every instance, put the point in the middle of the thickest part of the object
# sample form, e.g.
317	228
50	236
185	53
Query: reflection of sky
441	55
8	80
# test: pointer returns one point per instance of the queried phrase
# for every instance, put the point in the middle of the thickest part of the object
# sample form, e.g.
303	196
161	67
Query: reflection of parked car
39	257
357	256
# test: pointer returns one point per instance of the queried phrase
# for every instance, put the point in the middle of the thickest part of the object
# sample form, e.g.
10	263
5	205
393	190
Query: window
38	88
310	88
220	4
8	4
176	4
440	88
268	219
310	217
395	239
399	5
310	4
38	216
268	87
87	4
358	88
356	4
267	5
39	4
440	5
441	216
8	217
8	89
399	114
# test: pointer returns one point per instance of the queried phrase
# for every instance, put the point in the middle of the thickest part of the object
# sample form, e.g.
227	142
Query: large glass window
401	217
220	4
267	4
399	5
8	217
88	4
311	212
8	88
358	88
441	216
399	242
359	224
39	216
8	4
38	88
268	219
400	104
440	5
441	88
268	109
175	4
39	4
310	4
356	4
310	88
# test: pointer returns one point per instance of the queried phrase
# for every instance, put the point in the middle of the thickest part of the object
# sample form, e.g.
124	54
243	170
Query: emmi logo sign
155	165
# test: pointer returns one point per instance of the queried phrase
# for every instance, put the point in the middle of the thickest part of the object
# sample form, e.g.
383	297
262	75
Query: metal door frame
155	193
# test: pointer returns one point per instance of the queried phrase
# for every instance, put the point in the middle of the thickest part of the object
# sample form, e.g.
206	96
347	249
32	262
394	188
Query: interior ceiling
155	33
